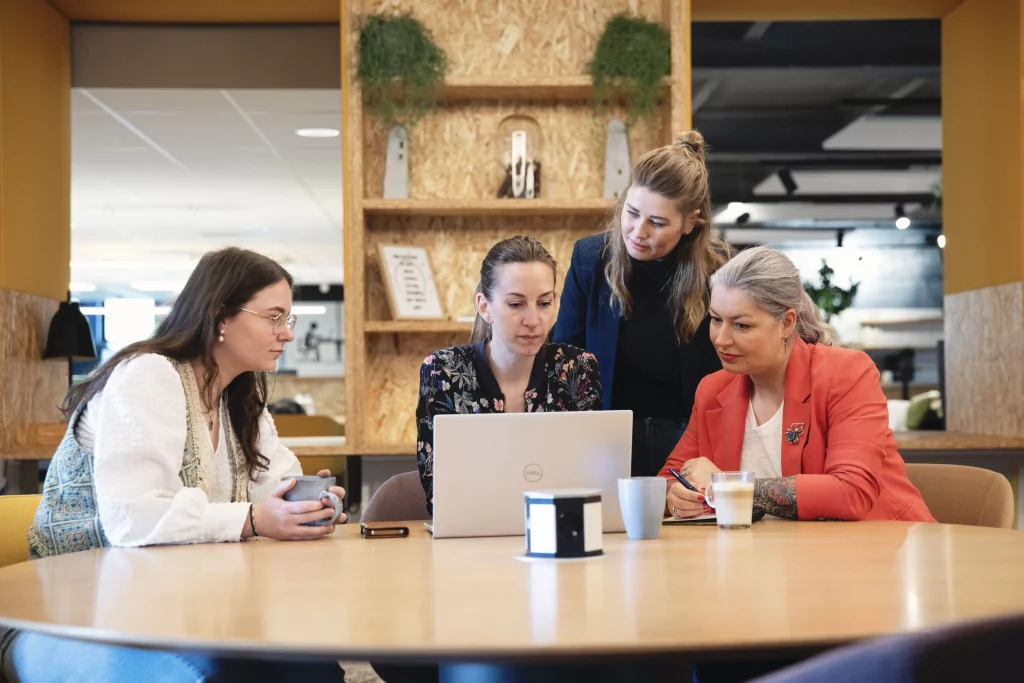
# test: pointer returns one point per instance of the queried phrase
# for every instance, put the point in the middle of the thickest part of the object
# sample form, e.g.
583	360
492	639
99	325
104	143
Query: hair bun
693	140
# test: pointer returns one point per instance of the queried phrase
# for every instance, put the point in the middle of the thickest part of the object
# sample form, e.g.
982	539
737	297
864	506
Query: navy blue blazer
587	319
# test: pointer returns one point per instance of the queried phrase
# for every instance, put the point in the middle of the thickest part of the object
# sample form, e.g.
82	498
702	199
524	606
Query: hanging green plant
936	202
830	298
400	69
632	57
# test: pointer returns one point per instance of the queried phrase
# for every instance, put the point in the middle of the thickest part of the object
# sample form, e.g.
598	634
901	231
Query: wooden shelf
540	89
416	327
543	89
388	449
486	207
897	323
891	347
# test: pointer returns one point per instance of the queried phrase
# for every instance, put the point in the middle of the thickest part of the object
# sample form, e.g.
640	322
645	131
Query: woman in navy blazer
636	297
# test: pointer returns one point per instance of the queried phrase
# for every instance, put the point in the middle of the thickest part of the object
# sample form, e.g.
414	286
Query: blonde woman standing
636	297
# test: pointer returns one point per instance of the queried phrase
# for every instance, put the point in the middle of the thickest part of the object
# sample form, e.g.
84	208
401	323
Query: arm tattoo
776	497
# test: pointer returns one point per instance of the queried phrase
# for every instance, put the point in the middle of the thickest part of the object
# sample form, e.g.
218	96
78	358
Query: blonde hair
516	249
679	172
773	283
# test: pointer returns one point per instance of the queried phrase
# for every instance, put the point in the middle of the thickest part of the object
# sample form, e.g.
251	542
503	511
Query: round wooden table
695	590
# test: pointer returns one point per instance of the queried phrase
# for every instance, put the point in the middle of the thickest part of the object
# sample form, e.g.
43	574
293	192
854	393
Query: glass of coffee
731	494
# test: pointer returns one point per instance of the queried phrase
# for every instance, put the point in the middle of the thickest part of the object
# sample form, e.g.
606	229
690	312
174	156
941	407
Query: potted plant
830	298
632	58
400	69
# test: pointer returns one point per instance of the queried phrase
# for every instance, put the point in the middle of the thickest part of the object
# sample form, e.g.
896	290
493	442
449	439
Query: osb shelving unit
485	207
505	60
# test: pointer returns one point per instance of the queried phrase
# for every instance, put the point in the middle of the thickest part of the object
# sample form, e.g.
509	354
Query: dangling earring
785	340
221	337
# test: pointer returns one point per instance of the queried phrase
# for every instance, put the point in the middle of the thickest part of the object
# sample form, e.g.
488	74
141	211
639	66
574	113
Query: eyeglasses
280	320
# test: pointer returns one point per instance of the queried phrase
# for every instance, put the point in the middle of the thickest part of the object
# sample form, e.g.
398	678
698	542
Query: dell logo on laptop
533	472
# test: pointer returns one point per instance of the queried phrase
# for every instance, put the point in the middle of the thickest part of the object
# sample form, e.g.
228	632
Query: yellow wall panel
35	149
982	144
201	11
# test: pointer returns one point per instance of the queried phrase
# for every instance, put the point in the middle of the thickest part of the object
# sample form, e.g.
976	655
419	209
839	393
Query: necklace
208	417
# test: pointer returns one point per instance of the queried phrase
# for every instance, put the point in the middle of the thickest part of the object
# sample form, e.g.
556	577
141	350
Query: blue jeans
37	658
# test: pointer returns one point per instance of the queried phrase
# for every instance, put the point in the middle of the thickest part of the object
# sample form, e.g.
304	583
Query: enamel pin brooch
794	432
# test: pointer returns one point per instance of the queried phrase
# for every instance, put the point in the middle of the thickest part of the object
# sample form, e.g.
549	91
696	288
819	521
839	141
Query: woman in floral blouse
507	367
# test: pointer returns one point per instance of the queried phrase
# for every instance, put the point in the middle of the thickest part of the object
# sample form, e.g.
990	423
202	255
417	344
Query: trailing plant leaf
632	57
400	69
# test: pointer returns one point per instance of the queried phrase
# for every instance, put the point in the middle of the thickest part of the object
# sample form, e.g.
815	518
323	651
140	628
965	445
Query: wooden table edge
429	654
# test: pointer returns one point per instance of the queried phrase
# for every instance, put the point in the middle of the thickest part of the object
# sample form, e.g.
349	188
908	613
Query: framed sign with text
409	281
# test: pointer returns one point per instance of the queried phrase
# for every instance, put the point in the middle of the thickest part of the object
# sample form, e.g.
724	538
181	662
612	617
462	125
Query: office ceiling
161	176
859	100
850	109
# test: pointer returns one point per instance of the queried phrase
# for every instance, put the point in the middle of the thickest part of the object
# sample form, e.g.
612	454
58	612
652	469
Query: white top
762	446
135	429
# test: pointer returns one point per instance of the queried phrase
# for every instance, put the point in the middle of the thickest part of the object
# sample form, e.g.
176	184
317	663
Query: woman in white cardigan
169	442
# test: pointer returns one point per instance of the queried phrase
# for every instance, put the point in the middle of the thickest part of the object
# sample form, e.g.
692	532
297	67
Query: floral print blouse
458	380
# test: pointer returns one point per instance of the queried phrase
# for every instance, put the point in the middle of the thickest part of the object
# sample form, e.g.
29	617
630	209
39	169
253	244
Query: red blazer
845	462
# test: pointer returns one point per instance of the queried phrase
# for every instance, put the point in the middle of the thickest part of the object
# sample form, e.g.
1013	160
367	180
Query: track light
786	177
742	218
902	222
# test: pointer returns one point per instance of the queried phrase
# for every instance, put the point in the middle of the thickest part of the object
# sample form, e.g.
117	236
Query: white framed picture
409	281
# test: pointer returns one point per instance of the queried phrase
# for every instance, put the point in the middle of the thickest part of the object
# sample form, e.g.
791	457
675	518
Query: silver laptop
484	463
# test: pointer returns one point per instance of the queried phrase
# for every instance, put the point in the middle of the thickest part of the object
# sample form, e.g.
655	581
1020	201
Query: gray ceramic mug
642	501
314	488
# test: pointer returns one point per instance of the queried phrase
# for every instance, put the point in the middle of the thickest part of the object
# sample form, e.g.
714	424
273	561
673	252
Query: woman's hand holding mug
289	520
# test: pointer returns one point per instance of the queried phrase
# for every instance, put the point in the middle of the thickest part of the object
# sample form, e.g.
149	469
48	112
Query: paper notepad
702	519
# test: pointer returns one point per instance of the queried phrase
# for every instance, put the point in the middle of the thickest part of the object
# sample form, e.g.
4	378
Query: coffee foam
733	487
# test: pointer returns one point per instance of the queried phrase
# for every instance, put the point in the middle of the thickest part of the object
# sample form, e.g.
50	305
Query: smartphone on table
382	530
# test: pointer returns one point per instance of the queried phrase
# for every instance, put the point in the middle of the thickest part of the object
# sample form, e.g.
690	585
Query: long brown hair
223	281
679	172
516	249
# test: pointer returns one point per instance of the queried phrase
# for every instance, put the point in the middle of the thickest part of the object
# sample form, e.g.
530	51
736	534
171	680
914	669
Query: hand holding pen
684	500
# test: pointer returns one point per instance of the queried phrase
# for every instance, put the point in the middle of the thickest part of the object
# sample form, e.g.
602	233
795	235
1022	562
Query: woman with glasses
170	442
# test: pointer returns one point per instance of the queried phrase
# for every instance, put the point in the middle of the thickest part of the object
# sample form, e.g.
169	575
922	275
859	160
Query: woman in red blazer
809	418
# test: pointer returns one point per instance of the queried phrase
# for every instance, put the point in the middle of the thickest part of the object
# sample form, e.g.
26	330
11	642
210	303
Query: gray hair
773	283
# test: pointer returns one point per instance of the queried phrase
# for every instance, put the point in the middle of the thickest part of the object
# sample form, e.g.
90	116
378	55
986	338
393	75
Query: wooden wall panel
457	247
392	375
517	39
459	152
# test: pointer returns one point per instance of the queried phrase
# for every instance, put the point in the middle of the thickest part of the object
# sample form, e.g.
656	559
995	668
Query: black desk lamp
70	336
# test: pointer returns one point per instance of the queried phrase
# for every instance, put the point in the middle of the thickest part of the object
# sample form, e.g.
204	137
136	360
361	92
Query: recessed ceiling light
902	223
158	286
318	132
941	241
